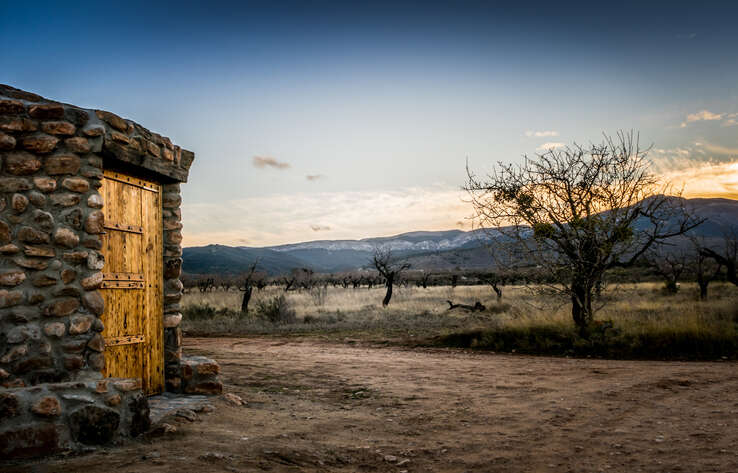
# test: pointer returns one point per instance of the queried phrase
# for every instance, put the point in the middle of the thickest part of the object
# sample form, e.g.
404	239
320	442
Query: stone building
90	258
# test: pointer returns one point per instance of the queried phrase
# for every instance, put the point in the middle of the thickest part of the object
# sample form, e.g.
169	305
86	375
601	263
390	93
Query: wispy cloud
314	177
731	119
320	228
355	214
541	134
686	36
264	161
702	115
717	149
550	145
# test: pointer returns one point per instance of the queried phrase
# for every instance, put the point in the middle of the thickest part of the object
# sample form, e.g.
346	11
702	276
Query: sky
343	120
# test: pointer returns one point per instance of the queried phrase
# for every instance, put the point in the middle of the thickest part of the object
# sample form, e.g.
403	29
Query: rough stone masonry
52	395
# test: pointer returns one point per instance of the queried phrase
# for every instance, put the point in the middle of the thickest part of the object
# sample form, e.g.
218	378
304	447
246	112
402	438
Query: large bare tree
577	212
389	267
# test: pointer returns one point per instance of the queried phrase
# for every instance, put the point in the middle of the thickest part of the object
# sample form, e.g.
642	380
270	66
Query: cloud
706	179
320	228
718	149
550	145
702	115
264	161
731	119
284	218
541	134
686	36
701	169
314	177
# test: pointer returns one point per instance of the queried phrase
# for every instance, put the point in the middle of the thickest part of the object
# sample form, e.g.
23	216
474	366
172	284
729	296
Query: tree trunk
388	296
581	309
729	263
703	288
245	300
498	291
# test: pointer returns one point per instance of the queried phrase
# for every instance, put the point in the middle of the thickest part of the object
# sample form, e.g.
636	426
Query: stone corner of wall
194	375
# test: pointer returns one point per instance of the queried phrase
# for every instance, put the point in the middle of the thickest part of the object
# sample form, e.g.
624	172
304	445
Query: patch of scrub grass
558	341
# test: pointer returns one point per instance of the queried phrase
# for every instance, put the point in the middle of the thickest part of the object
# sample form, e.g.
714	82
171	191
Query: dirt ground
320	406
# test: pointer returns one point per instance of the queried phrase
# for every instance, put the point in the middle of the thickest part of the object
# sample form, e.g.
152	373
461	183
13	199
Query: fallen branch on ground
476	307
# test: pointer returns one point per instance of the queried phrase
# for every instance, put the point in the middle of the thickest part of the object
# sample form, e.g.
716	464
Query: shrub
205	312
276	310
498	308
318	294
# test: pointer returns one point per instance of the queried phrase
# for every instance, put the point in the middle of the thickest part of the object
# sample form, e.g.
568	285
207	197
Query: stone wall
51	220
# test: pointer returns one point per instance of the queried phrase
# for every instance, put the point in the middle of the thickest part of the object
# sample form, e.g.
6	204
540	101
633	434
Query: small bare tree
206	283
670	265
705	268
495	281
577	212
424	279
390	268
246	285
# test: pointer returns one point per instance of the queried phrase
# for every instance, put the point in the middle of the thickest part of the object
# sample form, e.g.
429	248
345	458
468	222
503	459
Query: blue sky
381	104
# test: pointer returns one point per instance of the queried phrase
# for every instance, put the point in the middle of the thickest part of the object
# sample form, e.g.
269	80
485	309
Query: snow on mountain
413	241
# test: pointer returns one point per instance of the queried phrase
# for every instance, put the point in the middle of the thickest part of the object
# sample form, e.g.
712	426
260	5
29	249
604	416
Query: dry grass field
634	310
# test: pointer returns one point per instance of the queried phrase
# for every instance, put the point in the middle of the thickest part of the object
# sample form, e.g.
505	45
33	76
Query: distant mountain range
440	250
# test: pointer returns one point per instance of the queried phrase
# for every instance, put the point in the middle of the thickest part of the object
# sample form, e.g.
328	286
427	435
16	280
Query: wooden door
132	280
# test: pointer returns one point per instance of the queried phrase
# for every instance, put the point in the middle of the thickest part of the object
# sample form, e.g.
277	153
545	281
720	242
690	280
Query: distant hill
449	249
221	259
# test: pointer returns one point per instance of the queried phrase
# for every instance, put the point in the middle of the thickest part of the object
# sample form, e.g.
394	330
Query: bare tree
728	257
206	284
288	281
705	269
390	268
424	279
670	265
577	212
495	281
246	285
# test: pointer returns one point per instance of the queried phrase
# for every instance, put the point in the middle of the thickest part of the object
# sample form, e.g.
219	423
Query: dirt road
316	406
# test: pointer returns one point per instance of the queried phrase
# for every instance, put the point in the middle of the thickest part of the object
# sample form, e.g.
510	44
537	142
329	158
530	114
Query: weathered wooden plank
122	227
153	275
125	340
123	252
